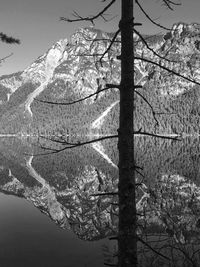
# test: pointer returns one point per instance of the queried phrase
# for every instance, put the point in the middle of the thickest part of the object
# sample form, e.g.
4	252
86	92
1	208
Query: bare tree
127	239
127	230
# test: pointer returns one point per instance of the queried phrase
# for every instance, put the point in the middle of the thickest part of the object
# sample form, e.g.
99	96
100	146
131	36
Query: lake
47	216
53	214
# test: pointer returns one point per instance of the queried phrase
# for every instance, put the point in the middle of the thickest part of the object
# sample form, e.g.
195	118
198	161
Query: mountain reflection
69	187
170	222
168	202
62	186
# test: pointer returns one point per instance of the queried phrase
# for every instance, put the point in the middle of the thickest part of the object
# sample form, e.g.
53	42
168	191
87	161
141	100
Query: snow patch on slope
54	207
51	61
99	148
12	83
99	121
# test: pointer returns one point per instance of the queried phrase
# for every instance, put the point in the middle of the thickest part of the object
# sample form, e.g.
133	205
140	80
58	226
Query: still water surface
28	238
52	216
46	220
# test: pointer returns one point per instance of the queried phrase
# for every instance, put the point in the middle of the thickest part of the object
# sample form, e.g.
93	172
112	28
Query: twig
155	251
157	135
110	45
168	4
167	69
4	58
76	101
152	110
91	19
149	18
74	145
152	50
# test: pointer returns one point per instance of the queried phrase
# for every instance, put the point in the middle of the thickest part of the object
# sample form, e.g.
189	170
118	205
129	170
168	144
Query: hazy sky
36	23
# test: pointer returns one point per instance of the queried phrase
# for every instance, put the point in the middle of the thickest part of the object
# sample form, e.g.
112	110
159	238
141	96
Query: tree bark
127	241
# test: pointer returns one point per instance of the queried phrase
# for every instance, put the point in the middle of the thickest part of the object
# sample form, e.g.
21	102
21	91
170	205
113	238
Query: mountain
66	72
71	70
62	191
62	186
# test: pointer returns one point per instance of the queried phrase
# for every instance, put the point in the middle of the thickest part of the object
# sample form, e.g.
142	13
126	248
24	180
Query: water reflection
170	222
28	238
169	204
61	191
68	188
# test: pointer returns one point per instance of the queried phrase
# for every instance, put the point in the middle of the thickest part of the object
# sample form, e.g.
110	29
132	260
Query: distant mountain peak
70	70
45	64
183	30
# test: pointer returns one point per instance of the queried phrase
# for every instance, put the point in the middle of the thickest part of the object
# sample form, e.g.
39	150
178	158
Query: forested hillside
179	114
71	70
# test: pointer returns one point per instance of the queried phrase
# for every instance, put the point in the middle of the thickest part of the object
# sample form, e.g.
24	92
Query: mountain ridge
70	70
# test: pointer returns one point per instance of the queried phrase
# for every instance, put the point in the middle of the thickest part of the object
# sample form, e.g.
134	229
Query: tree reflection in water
73	189
169	223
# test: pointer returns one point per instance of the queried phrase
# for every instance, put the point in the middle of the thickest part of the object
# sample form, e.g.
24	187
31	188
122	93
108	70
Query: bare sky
36	23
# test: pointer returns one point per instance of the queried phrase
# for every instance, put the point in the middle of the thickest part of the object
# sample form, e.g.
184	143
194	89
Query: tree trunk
127	241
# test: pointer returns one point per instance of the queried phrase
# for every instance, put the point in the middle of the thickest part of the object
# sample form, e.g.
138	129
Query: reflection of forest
169	222
62	186
160	156
168	202
168	199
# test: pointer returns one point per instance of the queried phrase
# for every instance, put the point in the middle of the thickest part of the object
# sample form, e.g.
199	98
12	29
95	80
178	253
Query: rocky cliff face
181	50
74	195
68	70
63	191
71	70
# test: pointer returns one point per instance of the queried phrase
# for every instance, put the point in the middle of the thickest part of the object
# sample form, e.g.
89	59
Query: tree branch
110	86
91	19
110	45
4	58
79	144
169	3
167	69
152	110
139	132
149	18
74	145
155	251
152	50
